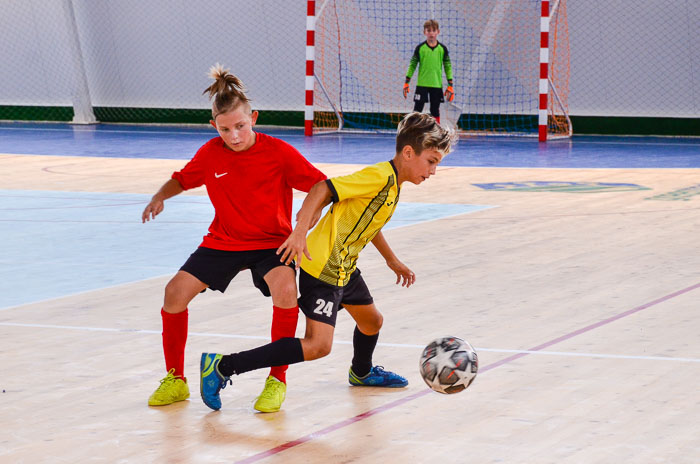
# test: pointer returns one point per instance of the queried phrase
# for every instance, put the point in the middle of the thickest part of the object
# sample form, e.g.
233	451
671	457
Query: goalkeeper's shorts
429	94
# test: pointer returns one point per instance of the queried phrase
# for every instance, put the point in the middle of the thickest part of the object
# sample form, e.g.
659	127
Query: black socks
280	353
363	346
287	351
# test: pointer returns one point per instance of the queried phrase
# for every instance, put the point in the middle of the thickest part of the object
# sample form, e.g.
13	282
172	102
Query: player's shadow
219	429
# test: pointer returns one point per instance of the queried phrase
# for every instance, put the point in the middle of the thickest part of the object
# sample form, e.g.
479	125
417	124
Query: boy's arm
307	217
447	64
191	176
415	58
402	271
411	69
169	189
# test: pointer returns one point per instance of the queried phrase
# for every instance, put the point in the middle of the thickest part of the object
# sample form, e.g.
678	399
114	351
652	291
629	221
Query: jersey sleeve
363	183
299	172
447	64
414	62
192	175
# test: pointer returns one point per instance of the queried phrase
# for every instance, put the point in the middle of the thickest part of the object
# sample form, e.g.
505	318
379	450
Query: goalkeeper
430	57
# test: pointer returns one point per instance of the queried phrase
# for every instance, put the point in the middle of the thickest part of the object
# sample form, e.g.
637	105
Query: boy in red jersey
249	178
363	202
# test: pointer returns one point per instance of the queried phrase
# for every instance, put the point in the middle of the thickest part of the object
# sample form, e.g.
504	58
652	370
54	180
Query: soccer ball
449	365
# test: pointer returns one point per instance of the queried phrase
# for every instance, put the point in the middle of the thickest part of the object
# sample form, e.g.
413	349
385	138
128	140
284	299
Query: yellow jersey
362	203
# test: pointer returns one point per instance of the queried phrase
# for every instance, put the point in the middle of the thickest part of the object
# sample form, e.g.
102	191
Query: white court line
344	342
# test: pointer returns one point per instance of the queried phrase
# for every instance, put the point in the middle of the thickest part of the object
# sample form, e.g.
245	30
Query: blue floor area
167	142
63	243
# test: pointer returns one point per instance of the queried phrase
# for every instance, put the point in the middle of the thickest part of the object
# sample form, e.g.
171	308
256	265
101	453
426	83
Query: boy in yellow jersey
363	202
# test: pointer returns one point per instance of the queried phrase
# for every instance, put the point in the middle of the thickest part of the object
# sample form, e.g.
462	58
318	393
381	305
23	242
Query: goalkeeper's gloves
449	93
405	90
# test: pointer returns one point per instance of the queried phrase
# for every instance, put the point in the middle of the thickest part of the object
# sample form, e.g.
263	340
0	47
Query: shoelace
269	392
166	381
227	381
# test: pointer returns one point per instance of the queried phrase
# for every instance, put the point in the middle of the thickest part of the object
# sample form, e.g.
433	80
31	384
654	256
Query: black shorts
217	268
321	301
429	94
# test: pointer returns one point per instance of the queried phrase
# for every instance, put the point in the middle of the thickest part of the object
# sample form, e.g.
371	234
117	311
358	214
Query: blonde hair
227	91
422	132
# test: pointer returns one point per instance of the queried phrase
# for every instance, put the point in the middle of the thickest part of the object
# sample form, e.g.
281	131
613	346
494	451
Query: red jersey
251	191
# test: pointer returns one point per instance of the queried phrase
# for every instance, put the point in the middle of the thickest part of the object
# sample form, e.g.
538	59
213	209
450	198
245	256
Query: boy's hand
404	275
153	209
406	89
292	248
449	93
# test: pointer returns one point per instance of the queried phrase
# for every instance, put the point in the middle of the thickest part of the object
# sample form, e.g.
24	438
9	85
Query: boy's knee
176	299
172	289
283	288
379	321
288	291
372	325
314	349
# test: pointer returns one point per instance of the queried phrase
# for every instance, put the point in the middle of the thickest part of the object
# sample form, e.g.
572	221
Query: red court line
399	402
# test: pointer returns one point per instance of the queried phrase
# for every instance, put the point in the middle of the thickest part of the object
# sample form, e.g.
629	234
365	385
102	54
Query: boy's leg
369	321
178	293
281	282
216	369
316	344
284	322
436	97
419	99
362	373
174	341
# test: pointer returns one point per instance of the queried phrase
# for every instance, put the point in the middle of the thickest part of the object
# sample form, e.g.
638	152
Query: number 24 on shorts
324	308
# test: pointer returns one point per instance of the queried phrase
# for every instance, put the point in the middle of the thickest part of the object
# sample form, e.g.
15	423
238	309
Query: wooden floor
583	307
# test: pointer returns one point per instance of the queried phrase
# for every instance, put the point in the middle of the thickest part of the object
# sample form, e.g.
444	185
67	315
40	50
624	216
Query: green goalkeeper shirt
431	61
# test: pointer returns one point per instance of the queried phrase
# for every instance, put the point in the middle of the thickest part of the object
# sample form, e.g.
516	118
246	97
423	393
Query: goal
510	62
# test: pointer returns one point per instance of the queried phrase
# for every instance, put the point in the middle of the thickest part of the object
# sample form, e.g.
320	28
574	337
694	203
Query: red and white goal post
510	62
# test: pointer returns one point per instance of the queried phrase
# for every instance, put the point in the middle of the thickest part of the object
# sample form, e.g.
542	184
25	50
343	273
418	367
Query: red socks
174	339
284	325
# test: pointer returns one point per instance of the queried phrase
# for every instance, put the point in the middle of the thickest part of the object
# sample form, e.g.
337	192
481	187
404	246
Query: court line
401	401
349	342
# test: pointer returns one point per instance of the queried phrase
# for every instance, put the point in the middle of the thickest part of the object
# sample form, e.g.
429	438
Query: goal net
145	62
363	49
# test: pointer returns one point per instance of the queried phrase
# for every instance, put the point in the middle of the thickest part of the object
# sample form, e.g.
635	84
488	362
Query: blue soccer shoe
211	380
377	377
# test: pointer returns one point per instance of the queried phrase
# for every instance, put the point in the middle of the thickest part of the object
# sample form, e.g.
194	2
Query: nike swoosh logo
220	175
